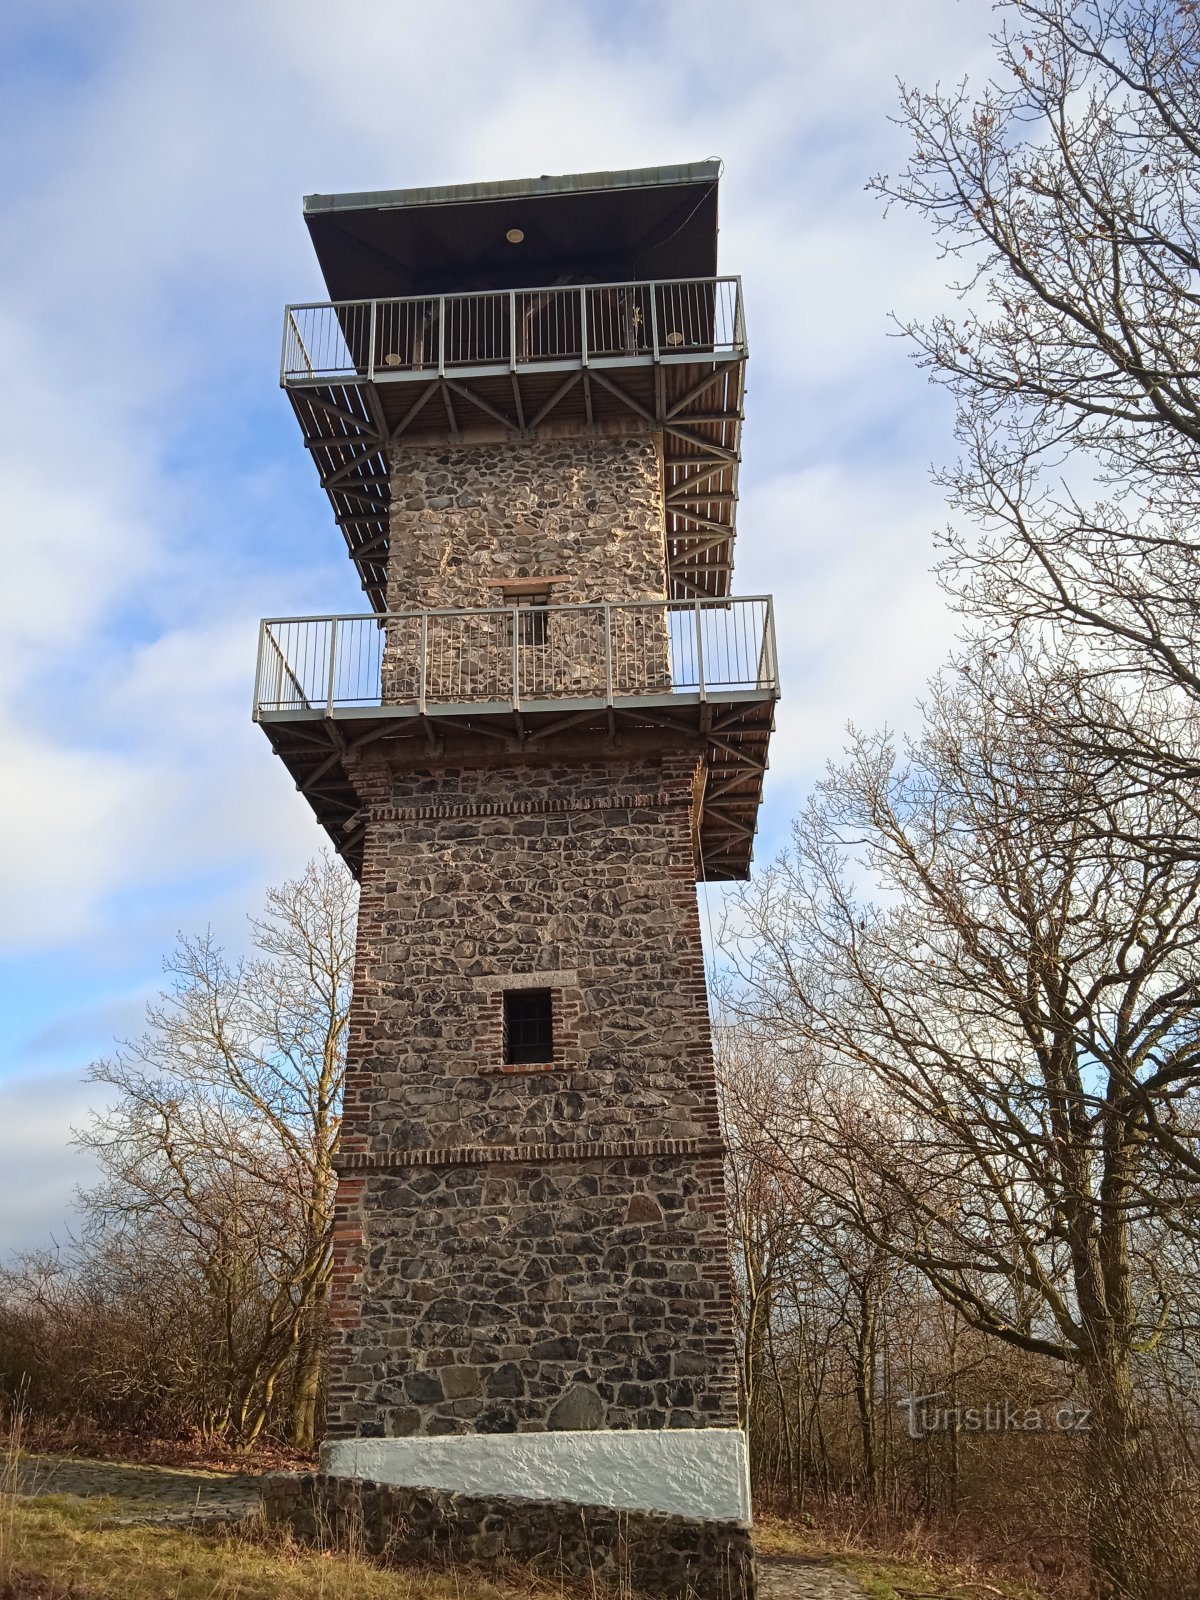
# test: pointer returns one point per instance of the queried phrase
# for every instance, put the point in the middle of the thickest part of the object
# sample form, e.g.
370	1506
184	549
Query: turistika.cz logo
994	1416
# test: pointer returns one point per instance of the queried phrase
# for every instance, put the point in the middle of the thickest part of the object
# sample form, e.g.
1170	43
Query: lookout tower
524	402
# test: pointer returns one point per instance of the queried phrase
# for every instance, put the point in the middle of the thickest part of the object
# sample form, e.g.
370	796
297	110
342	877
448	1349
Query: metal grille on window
528	1027
533	620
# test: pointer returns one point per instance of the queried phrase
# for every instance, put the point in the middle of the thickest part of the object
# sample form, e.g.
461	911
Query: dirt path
147	1494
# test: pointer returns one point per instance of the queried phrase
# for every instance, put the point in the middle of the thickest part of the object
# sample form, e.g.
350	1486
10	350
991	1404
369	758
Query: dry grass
82	1438
10	1451
61	1550
897	1569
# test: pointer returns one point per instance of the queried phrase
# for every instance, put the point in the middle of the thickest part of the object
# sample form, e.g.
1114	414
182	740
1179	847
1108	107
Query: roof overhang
599	227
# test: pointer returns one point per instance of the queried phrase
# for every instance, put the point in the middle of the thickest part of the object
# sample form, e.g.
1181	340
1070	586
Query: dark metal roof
599	227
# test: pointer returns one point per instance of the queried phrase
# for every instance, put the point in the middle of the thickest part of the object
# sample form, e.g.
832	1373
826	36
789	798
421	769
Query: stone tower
524	401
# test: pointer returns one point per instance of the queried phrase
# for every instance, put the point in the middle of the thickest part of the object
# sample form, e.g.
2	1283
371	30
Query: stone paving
146	1493
804	1578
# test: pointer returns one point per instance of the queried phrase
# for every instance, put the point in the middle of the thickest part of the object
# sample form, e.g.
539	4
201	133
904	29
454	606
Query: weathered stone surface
556	1230
579	1408
599	904
521	1249
587	510
623	1551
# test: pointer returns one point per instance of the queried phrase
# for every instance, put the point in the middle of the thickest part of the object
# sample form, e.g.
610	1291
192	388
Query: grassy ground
884	1576
59	1549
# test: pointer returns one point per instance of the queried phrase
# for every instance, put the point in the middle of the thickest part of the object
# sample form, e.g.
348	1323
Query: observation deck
364	375
328	685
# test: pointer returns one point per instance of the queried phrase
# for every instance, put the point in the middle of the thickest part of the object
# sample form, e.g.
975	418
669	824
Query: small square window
535	623
528	1027
533	620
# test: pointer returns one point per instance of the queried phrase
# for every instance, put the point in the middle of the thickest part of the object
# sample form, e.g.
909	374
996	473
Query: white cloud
41	1168
153	502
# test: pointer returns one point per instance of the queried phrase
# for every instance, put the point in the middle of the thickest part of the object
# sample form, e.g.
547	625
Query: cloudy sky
154	496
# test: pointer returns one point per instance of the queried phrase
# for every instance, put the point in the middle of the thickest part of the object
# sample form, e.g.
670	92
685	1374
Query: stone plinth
699	1473
596	1547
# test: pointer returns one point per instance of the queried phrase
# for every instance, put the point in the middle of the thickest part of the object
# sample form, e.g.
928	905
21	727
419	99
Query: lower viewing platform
523	674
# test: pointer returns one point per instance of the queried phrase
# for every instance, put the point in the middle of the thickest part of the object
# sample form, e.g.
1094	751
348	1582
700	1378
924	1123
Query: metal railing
517	655
513	329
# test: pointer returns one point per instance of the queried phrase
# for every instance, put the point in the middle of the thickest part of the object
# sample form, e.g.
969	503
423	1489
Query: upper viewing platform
604	315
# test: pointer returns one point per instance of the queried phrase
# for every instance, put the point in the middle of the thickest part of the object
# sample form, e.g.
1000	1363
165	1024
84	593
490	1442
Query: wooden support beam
563	722
698	549
426	393
372	502
517	404
563	388
484	405
738	755
372	734
625	399
335	441
684	582
696	391
691	480
706	523
371	394
717	451
332	410
379	543
449	404
475	727
347	467
715	792
738	829
351	525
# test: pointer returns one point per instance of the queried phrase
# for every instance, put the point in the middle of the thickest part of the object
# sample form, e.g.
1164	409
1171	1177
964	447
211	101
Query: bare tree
220	1135
1006	1030
1068	190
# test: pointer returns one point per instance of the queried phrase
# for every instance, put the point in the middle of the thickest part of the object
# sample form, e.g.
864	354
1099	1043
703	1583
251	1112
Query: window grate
533	620
528	1027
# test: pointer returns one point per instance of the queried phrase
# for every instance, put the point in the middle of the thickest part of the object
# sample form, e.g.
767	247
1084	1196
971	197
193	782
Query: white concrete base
688	1472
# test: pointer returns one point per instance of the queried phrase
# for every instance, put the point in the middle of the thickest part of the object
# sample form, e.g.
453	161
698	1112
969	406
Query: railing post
516	658
512	330
608	672
423	686
699	650
333	631
654	319
258	673
371	345
771	645
583	325
441	336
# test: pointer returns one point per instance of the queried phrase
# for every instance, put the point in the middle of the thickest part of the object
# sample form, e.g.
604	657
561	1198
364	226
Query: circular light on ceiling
515	235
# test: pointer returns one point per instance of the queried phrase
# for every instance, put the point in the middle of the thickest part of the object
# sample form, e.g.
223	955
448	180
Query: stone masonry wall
600	1550
540	1246
590	510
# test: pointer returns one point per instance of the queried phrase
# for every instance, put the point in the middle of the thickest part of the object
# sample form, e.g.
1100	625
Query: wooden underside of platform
736	732
350	426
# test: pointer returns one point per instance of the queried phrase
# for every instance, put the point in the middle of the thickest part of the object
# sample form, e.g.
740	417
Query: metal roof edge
516	188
